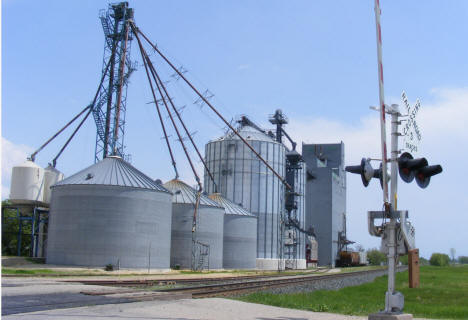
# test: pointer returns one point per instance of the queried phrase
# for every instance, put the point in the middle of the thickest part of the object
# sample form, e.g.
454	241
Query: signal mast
409	169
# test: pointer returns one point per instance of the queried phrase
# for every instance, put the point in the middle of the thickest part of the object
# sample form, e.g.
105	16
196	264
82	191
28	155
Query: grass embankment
44	272
442	295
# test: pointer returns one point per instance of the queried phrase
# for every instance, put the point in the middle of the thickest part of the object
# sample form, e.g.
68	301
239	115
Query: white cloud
441	208
12	155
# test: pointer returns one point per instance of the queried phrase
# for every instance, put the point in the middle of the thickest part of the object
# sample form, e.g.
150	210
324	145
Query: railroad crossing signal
410	169
367	172
364	169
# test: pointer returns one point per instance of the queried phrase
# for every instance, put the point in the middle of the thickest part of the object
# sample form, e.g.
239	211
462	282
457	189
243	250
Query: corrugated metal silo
243	178
240	235
110	213
210	217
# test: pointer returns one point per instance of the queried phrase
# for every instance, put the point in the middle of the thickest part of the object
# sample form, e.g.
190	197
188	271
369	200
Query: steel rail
250	283
209	290
152	282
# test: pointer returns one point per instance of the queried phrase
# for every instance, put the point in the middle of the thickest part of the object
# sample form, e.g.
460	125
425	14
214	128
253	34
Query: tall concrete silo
209	228
242	178
110	213
326	198
240	235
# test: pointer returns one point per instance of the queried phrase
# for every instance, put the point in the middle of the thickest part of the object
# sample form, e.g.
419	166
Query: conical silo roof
183	193
229	206
112	171
249	133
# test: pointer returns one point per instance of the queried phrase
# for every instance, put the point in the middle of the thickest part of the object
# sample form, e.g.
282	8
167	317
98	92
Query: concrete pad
386	316
212	308
35	286
197	309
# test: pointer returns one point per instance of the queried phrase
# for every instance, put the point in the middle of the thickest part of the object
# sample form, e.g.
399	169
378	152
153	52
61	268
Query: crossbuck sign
411	132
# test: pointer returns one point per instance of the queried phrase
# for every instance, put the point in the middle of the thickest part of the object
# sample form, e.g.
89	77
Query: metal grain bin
110	213
240	235
242	178
209	232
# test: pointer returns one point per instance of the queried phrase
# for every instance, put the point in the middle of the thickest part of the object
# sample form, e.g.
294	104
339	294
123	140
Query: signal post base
390	316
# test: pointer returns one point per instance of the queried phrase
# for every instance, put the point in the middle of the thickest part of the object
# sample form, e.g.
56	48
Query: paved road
51	299
197	309
33	294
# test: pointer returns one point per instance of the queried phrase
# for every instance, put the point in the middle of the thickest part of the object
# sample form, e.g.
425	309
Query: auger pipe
153	73
215	111
54	161
157	109
185	129
32	157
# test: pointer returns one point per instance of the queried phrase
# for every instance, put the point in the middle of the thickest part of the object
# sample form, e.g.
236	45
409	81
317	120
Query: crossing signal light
410	168
423	176
367	172
364	169
378	175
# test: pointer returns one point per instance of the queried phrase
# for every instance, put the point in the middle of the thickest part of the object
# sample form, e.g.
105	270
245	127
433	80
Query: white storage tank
110	213
51	177
210	217
240	235
27	183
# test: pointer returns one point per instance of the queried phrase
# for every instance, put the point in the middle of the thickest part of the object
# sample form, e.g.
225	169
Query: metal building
110	213
242	178
326	198
201	250
240	235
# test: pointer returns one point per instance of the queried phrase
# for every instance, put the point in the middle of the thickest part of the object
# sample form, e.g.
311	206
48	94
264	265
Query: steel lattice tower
110	107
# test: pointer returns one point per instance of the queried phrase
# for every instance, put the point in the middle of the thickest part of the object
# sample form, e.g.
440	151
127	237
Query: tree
375	257
439	259
463	259
359	248
404	260
423	261
10	230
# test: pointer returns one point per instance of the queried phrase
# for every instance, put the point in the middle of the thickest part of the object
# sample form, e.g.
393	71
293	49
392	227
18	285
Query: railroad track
242	285
156	282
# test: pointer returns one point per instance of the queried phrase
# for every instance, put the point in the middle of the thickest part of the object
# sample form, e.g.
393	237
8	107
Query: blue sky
316	60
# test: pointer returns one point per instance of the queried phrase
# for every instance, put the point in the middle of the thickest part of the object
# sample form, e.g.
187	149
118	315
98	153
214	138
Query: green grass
28	271
51	273
443	294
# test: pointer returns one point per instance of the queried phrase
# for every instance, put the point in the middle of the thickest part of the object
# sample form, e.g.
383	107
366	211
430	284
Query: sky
315	60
